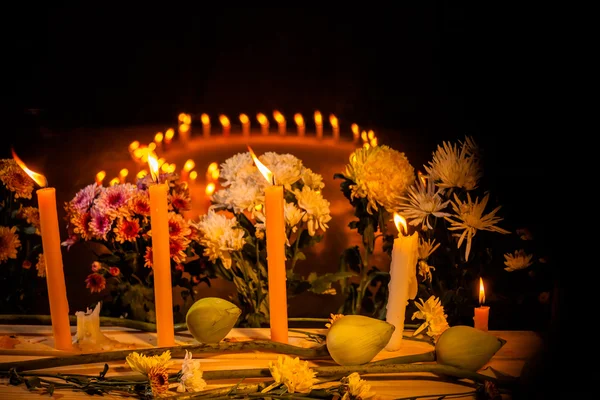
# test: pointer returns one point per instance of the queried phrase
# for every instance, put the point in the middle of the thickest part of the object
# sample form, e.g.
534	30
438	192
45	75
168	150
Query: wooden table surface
509	359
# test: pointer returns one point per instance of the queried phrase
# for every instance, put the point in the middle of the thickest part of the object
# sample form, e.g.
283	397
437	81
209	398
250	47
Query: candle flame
400	223
244	119
278	117
158	137
205	119
224	121
193	175
266	172
134	145
123	173
38	178
153	165
169	134
187	119
318	118
262	119
333	121
189	165
481	292
298	119
363	136
142	174
100	176
181	117
354	128
114	181
374	142
184	128
371	134
152	146
210	189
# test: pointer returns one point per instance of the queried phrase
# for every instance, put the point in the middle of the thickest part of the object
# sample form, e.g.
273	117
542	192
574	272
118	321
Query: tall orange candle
55	277
482	313
161	258
275	232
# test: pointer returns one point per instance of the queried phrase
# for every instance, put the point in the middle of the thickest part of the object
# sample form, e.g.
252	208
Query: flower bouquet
232	234
114	222
456	224
22	266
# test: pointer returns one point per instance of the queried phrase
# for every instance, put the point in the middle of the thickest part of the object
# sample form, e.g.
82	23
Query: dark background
438	71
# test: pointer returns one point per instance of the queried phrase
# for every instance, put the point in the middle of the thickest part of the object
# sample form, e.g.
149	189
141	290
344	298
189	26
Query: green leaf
109	259
300	256
320	284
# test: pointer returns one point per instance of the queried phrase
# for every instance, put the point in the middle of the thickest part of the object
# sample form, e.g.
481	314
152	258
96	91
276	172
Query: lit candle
300	124
212	172
141	174
114	181
205	125
264	123
245	124
364	137
403	280
275	234
133	148
184	132
319	124
169	134
193	176
158	139
100	177
355	132
374	142
55	276
185	171
280	119
370	135
123	175
208	191
482	313
161	257
335	127
225	124
181	118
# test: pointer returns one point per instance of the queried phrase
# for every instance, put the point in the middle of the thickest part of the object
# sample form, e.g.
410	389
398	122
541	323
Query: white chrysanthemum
286	168
293	216
421	202
518	260
380	174
238	197
426	248
191	375
316	209
312	180
236	168
432	312
220	236
469	218
452	167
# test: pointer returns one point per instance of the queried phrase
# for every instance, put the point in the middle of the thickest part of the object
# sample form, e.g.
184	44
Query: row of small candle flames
185	121
139	152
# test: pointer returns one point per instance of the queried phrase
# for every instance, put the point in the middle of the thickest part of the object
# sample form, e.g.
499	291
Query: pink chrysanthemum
112	198
100	224
177	246
140	203
95	282
84	199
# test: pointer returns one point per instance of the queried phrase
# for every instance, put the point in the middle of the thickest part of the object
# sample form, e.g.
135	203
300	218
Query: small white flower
191	375
452	167
421	202
220	236
293	216
426	248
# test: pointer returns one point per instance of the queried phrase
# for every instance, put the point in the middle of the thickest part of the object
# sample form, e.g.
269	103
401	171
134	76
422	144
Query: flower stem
176	351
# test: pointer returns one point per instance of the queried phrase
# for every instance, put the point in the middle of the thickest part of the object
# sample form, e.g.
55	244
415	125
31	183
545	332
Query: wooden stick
176	351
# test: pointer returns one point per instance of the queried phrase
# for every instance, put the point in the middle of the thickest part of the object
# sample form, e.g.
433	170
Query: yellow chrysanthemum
9	243
380	174
432	312
32	216
15	179
332	319
142	363
296	375
356	388
454	167
518	260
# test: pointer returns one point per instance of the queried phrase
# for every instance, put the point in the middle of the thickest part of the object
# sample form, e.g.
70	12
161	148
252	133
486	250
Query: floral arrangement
455	220
22	266
114	222
233	232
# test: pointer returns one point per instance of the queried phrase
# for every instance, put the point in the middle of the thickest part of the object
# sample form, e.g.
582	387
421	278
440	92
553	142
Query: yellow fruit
356	339
210	319
466	347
